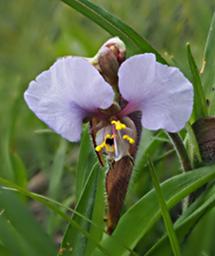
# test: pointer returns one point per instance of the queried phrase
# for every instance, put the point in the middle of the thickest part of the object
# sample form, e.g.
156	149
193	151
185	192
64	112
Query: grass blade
186	222
90	206
25	224
57	208
4	251
139	219
208	63
12	242
193	147
200	107
164	211
96	231
55	179
113	25
57	170
20	171
86	161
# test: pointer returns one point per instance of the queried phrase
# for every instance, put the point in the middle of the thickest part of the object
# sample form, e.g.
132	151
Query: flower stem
183	158
181	151
196	157
164	211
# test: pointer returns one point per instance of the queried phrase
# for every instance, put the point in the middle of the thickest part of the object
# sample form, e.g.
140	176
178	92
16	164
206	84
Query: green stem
164	211
181	151
183	158
196	155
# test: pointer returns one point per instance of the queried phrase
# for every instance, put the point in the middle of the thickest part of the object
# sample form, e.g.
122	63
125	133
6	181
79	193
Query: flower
111	93
75	89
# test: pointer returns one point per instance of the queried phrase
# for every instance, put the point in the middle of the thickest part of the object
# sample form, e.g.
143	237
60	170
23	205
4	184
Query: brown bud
109	66
117	180
117	47
108	59
204	130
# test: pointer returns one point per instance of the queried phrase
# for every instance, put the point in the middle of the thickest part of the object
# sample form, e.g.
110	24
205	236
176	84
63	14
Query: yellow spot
128	138
100	147
118	125
108	148
108	136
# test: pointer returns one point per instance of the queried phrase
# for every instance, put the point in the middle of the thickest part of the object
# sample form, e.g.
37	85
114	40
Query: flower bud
109	66
117	47
204	130
108	59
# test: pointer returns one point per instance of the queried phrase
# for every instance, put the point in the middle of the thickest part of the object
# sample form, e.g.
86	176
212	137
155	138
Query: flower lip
109	141
115	139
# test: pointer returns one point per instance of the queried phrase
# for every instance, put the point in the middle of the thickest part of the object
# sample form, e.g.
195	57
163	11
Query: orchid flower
73	91
111	93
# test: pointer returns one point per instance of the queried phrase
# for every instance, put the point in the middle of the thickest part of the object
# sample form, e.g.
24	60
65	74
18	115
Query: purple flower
73	91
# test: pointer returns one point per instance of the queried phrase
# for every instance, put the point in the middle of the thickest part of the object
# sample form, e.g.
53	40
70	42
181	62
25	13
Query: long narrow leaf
193	147
187	221
208	74
140	218
200	107
25	224
113	25
96	231
20	171
85	163
57	208
87	206
4	251
13	243
164	211
55	179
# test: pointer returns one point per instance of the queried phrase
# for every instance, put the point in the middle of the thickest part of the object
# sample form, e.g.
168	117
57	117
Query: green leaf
86	161
20	171
57	170
201	236
9	172
56	207
25	224
91	205
207	72
200	107
12	242
164	211
193	147
6	155
186	222
141	217
4	251
55	183
147	146
96	231
113	25
180	150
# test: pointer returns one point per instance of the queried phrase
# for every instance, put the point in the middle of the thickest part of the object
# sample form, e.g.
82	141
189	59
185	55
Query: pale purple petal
64	95
161	93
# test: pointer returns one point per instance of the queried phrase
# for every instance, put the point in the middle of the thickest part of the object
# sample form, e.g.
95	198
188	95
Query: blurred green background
33	33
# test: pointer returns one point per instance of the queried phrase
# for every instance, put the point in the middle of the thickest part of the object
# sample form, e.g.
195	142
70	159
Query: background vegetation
33	34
